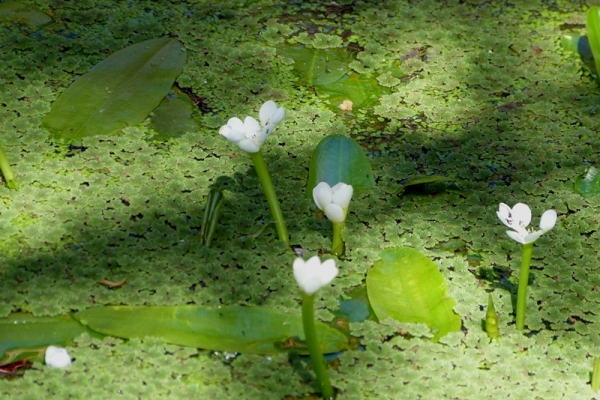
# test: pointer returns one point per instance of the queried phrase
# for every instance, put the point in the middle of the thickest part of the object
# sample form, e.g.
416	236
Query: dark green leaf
23	335
407	286
174	116
237	329
339	159
26	13
588	184
421	182
119	91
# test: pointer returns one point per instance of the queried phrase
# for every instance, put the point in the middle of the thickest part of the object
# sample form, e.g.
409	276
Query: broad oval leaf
240	329
23	335
588	184
407	286
117	92
339	159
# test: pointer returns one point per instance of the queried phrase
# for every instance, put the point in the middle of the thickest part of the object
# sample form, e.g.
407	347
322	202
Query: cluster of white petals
57	357
333	201
250	134
519	217
312	275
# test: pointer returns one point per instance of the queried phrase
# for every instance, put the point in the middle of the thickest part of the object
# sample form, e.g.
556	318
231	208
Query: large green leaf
23	335
407	286
339	159
26	13
588	184
174	116
329	72
237	329
119	91
593	28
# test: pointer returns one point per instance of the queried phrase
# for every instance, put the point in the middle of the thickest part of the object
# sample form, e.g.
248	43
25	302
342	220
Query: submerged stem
7	172
523	281
267	184
318	361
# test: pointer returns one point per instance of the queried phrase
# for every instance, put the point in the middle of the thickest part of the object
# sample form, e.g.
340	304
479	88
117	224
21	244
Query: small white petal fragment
312	275
519	217
57	357
333	201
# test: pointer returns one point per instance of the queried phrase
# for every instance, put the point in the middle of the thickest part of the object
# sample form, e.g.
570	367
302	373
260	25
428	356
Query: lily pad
328	71
117	92
588	184
339	159
240	329
174	116
26	13
23	335
407	286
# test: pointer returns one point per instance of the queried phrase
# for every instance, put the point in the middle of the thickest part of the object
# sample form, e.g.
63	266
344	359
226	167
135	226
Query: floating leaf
26	13
339	159
119	91
588	184
407	286
174	116
236	329
23	335
420	182
329	72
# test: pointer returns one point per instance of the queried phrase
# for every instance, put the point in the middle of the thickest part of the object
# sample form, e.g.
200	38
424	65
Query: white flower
333	201
311	275
250	134
57	357
519	217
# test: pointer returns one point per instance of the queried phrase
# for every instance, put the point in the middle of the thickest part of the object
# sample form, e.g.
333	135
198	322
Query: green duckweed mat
478	91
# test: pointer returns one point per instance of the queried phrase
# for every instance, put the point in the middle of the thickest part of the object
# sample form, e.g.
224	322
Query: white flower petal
251	127
516	236
249	145
57	357
278	116
335	213
548	220
521	213
311	275
504	214
231	134
342	194
322	195
267	111
532	237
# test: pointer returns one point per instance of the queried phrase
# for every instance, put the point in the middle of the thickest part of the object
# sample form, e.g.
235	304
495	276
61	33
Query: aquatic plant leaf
329	72
588	184
593	28
212	210
117	92
317	67
580	45
339	159
23	335
424	181
26	13
174	116
240	329
407	286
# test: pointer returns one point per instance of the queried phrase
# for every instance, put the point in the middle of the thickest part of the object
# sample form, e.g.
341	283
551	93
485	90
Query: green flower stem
267	184
337	244
310	331
596	375
7	172
523	280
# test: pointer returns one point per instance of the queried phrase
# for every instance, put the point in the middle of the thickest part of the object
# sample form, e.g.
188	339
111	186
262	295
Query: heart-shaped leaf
117	92
588	184
407	286
339	159
254	330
